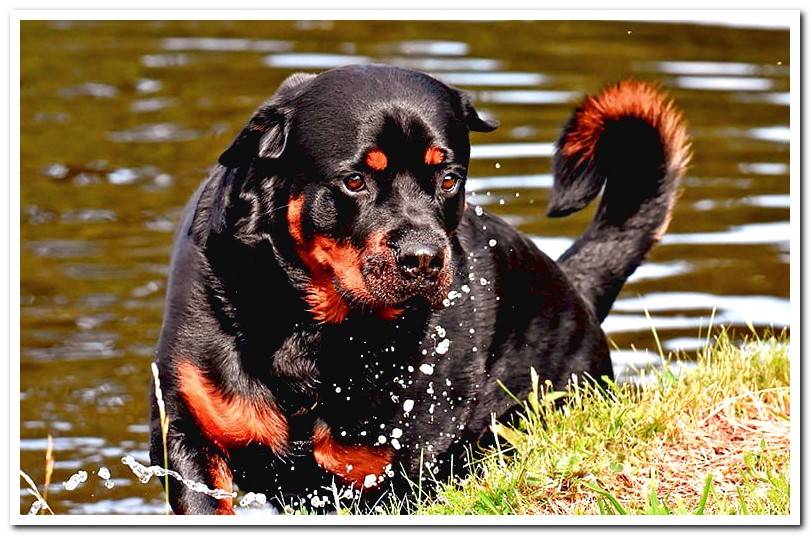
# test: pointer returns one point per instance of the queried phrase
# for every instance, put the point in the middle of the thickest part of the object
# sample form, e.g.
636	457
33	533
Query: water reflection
708	68
719	83
159	132
527	96
512	150
224	45
312	61
775	233
486	79
508	182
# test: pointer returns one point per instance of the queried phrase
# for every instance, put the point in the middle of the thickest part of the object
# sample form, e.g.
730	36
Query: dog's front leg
199	463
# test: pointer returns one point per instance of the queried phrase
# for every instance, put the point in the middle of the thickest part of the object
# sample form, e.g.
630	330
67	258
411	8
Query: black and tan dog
337	312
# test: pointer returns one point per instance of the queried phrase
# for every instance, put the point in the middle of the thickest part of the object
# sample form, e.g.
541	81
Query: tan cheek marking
326	304
342	260
434	155
294	218
324	258
377	160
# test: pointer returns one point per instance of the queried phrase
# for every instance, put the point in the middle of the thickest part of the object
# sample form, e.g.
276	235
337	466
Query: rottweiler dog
338	314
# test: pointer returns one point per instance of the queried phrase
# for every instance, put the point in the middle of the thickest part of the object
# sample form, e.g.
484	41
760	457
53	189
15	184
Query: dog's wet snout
421	260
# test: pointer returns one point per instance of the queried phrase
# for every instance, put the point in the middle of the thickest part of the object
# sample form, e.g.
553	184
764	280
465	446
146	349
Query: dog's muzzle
421	261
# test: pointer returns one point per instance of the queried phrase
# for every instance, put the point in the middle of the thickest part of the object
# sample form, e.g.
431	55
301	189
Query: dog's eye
449	182
354	182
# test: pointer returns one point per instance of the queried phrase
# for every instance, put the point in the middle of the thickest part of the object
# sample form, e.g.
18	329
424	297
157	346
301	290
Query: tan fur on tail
632	98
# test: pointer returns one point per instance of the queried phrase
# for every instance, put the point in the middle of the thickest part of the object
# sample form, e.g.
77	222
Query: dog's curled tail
632	139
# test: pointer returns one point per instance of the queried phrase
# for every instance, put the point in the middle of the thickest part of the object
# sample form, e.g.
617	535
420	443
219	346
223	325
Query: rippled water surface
121	120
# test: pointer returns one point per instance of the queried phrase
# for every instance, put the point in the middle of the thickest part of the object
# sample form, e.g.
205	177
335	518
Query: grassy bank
713	441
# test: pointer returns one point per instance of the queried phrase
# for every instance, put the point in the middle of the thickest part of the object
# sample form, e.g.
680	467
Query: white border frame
757	18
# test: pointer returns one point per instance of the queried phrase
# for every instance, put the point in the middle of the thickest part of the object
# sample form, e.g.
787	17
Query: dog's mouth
389	286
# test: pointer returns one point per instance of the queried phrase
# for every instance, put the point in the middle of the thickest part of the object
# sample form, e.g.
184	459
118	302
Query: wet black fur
234	304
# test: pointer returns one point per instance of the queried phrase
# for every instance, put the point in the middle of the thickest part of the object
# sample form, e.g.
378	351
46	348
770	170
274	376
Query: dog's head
371	162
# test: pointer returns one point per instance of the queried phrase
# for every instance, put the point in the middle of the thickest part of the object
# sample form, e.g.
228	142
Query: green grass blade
608	496
705	494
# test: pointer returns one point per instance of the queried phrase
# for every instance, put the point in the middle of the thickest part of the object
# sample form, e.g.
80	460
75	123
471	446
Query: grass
713	441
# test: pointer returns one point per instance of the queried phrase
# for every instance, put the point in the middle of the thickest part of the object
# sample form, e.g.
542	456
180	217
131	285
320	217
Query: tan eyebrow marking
434	155
376	159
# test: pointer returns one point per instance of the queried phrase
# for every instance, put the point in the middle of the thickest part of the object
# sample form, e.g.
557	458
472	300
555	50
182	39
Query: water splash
104	474
253	498
36	507
408	405
73	482
145	473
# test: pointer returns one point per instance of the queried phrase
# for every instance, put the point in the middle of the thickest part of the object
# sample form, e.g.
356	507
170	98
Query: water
120	121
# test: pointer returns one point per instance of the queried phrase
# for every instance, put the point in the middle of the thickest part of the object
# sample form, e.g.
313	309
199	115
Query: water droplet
35	507
73	482
251	498
145	473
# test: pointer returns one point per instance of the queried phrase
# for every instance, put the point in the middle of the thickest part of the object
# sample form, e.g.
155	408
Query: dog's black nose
421	260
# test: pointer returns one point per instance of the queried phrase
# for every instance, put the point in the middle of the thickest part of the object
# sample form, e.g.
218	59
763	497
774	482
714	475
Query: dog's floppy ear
265	135
474	121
